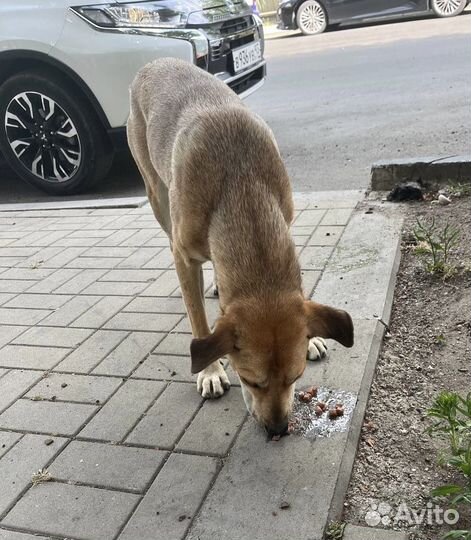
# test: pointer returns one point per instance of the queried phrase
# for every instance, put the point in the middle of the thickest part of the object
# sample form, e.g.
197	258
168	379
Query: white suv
65	69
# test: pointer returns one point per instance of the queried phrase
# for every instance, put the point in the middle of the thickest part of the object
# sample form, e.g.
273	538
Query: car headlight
161	14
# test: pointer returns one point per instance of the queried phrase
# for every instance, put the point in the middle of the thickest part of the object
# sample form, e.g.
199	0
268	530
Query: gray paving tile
91	352
95	263
27	317
165	367
98	251
337	216
107	465
140	237
122	411
14	384
13	535
50	336
178	344
15	285
64	257
9	333
176	492
141	257
100	312
38	301
83	388
215	425
310	279
151	322
166	420
90	233
300	240
130	275
77	511
29	357
80	282
163	260
7	440
109	288
315	257
309	218
118	236
21	462
46	416
37	260
70	311
27	273
156	305
258	475
76	242
5	297
158	241
164	285
19	251
326	235
128	354
54	281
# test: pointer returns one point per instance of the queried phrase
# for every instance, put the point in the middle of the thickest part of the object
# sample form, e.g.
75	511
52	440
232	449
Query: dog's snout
280	428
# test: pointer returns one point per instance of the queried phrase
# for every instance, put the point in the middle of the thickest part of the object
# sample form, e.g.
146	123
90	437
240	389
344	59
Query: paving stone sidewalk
95	386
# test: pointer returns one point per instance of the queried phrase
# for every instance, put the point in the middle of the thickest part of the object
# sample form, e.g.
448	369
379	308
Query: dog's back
166	96
191	134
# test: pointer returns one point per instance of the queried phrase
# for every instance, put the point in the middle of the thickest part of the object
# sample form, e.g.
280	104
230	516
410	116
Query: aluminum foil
303	420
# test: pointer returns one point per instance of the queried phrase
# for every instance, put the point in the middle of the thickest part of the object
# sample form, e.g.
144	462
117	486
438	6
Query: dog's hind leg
212	381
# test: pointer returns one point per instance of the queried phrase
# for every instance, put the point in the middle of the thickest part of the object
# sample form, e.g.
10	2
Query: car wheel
49	134
448	8
311	18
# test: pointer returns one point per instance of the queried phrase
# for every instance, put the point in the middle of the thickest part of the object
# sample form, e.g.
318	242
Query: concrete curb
93	204
382	270
353	532
431	172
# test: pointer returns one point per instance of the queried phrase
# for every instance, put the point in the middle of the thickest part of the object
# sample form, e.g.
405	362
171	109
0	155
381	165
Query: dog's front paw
212	382
317	349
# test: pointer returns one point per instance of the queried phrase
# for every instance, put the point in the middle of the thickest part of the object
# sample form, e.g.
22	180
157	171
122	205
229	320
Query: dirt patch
428	351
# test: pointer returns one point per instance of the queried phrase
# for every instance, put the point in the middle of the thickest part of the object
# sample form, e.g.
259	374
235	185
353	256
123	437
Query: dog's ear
207	350
326	322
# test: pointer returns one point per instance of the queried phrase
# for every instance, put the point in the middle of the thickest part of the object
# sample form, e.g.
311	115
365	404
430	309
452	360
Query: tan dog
218	187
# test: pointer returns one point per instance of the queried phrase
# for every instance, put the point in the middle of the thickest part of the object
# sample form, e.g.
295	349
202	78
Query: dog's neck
251	247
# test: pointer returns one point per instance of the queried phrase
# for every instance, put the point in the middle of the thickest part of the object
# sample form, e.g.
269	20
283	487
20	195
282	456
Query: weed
435	245
440	340
451	414
43	475
459	189
334	530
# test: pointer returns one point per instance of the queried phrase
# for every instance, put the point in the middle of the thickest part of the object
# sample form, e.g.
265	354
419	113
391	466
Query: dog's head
268	349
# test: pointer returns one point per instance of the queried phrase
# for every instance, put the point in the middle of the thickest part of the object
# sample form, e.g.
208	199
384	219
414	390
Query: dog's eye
248	383
236	349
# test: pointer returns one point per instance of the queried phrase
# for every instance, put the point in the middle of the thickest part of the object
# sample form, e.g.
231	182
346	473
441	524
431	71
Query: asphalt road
342	100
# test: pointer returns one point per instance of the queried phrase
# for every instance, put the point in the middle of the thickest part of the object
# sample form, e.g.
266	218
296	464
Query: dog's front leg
212	381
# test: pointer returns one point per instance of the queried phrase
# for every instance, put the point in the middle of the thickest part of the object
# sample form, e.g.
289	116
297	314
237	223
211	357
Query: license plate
246	56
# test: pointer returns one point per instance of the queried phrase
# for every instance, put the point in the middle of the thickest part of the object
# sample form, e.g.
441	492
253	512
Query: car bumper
111	59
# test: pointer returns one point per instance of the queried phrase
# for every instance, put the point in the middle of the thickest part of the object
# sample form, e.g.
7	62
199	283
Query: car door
345	10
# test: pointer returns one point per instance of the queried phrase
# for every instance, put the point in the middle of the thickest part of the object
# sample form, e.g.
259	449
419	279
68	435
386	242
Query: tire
49	135
311	18
448	8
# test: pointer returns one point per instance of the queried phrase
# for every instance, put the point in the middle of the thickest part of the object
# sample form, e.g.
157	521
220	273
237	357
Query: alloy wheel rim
43	137
312	18
447	7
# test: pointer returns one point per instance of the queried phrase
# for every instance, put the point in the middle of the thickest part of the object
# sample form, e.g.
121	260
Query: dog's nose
277	429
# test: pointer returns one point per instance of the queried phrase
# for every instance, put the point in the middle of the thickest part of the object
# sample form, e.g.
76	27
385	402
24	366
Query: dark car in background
314	16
